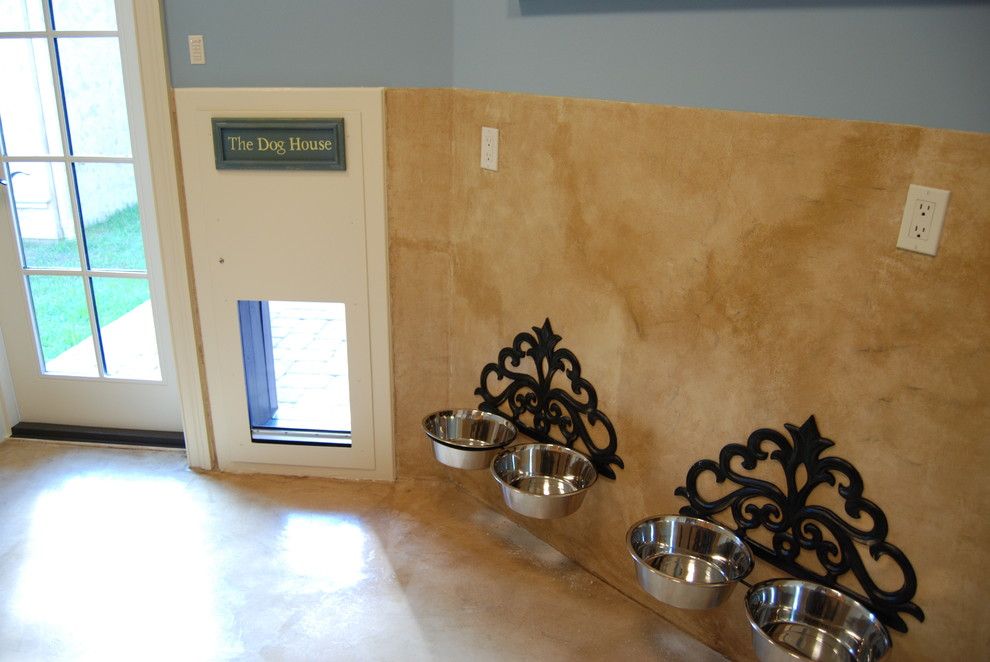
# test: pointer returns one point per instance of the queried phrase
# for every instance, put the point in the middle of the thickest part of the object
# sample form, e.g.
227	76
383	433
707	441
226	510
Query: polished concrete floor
109	554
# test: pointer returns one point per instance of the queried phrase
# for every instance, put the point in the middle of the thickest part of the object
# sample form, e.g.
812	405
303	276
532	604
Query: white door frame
147	41
9	413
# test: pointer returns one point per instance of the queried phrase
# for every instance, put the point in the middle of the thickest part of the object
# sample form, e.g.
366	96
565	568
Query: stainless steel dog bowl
798	620
544	481
687	562
467	438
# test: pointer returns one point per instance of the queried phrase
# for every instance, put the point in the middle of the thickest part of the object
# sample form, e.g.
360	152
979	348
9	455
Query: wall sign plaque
279	144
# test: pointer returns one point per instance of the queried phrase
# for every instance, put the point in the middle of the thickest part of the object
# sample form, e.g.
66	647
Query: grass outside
60	301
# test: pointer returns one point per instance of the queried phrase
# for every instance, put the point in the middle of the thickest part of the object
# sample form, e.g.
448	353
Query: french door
82	311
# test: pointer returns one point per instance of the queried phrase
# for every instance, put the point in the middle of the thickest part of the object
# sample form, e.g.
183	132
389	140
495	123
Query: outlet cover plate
489	148
919	233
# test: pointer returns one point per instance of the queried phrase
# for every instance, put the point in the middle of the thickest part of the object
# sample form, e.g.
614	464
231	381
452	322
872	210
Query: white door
81	302
290	256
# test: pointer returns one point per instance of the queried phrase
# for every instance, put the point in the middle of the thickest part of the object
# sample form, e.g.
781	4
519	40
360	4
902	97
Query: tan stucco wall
715	272
419	172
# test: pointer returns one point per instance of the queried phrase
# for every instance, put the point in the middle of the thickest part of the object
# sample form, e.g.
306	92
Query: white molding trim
378	293
160	128
9	413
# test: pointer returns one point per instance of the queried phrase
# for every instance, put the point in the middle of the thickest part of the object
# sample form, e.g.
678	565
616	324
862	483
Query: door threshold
301	437
97	435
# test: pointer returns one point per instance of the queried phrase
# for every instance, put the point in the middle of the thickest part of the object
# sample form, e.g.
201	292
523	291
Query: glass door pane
84	15
61	316
76	213
27	105
310	352
127	328
94	96
45	222
21	15
110	217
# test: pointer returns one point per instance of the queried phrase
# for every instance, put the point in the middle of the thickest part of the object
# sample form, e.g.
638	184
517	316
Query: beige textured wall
418	159
714	272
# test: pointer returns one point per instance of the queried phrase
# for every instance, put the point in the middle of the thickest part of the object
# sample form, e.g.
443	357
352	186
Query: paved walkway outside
310	346
129	344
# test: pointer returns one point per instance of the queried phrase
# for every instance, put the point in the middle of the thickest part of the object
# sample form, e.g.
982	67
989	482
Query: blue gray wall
916	63
312	43
921	62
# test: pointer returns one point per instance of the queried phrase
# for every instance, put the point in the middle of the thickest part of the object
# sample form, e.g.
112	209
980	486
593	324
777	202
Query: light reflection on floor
127	555
326	551
98	547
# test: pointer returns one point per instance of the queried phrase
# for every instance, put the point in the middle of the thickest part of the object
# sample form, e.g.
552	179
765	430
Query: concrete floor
109	554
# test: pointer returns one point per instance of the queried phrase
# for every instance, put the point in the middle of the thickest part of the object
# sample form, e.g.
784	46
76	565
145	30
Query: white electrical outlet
924	215
489	148
197	50
921	219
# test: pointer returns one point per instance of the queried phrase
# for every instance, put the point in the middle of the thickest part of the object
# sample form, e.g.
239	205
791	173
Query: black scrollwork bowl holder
818	546
538	386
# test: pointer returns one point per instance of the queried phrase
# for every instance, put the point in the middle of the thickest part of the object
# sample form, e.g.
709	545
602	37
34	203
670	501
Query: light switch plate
197	50
924	216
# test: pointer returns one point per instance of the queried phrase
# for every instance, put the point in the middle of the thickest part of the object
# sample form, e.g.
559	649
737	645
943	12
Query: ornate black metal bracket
796	525
536	406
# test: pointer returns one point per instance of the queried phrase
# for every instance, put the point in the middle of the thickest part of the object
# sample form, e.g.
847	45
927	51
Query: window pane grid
39	34
46	230
92	87
64	342
73	191
126	274
67	159
36	271
83	14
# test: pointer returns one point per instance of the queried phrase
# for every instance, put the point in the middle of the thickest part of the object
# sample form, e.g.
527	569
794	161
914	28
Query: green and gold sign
279	144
